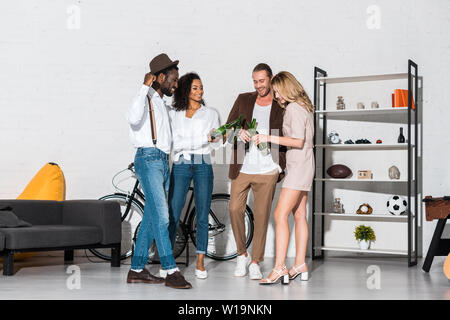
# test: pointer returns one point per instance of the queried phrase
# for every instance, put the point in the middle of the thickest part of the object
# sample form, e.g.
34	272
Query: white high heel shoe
283	277
304	276
201	274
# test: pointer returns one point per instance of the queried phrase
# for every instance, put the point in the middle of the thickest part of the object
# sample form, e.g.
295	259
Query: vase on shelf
401	137
337	206
364	244
340	105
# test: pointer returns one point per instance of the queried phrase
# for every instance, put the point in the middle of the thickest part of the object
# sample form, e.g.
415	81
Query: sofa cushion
9	220
50	236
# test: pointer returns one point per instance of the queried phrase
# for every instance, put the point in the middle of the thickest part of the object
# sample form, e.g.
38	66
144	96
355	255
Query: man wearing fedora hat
151	135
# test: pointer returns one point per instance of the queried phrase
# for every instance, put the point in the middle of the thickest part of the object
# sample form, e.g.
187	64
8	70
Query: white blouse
190	135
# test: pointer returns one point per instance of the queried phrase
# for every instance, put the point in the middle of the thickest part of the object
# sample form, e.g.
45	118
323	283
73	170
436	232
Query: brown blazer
244	104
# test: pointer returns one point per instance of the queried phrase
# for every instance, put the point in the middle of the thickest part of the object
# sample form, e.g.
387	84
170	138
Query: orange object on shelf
400	99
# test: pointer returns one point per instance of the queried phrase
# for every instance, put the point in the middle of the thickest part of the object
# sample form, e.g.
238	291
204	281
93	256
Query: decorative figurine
362	141
365	208
360	105
340	105
349	141
401	137
374	105
379	141
365	174
394	173
333	138
397	205
338	207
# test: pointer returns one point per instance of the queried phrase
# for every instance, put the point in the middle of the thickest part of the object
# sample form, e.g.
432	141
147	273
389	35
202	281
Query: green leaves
363	232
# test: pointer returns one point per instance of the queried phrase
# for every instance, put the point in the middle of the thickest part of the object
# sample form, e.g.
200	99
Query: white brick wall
63	92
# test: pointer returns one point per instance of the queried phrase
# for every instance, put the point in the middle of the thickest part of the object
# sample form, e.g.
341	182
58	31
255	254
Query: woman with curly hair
298	131
192	122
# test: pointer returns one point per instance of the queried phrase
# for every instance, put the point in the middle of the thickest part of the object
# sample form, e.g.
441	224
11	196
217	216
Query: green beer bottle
222	131
263	147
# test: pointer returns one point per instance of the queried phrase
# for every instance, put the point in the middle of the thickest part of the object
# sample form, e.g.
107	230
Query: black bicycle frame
132	196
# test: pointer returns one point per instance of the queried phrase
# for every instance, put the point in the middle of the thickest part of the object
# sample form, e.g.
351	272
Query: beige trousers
263	187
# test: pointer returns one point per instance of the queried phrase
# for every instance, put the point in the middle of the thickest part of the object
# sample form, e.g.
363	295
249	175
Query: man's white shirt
174	130
255	162
138	117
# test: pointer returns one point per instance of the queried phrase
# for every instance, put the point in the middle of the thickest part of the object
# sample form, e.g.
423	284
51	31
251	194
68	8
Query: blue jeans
184	171
152	170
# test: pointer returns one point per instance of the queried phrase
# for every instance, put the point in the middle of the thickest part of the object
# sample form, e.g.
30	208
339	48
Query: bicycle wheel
178	248
129	224
221	243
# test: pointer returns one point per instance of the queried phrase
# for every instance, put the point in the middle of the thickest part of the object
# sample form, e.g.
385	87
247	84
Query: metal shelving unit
321	80
354	216
364	146
345	249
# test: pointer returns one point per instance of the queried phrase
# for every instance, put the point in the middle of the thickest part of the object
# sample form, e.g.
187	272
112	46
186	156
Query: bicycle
221	243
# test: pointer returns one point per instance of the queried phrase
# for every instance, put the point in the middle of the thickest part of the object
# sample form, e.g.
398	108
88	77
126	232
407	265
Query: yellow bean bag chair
47	184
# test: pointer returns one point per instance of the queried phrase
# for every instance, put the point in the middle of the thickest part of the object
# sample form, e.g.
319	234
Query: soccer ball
397	205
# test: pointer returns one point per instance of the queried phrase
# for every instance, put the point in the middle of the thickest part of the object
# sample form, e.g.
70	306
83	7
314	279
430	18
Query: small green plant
363	232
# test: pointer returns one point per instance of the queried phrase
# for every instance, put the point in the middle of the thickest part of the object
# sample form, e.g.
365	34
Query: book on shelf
400	99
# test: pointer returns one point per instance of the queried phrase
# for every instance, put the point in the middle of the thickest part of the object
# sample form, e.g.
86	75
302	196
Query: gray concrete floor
46	277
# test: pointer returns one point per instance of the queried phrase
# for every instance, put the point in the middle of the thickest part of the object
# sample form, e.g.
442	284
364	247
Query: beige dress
299	123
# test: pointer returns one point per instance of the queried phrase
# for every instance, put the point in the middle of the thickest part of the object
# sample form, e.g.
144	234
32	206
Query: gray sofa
61	225
2	241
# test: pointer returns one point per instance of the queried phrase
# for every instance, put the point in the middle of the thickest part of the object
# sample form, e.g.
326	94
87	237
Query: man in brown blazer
252	169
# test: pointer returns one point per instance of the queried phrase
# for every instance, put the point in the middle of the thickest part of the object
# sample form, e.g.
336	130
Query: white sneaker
201	274
255	272
241	265
162	273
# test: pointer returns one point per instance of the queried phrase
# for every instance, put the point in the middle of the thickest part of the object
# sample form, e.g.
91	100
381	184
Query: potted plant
364	234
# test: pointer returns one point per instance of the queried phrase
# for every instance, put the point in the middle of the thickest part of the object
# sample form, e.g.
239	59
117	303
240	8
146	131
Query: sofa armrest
2	241
104	214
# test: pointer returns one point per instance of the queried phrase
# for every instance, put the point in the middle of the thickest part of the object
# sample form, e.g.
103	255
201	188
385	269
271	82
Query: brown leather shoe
177	281
144	276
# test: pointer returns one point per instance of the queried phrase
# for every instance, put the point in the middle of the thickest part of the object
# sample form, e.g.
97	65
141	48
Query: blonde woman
298	131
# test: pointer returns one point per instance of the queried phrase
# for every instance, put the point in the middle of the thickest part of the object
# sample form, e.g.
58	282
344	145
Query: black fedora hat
161	62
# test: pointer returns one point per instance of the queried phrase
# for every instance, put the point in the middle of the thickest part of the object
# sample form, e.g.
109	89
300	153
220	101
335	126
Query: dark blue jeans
199	169
152	170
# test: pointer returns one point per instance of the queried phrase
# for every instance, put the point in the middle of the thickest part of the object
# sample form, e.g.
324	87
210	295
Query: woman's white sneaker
255	272
201	274
241	265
